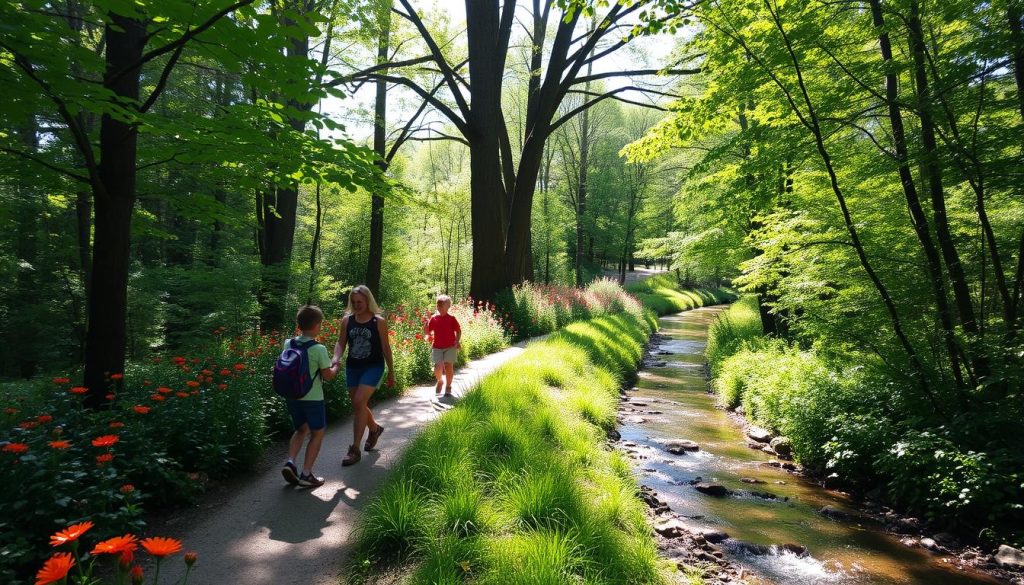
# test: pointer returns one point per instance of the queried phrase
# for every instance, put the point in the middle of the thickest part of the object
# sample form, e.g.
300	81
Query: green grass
516	484
663	295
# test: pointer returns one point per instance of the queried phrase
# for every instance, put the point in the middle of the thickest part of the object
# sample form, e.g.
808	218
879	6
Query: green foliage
663	294
536	309
498	504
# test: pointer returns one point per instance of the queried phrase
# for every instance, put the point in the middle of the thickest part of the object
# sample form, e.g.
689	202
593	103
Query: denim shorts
308	412
364	375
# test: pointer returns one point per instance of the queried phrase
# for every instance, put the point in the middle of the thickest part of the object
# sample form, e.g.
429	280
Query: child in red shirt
447	333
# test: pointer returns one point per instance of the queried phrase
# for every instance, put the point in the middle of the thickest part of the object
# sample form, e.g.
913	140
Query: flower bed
536	309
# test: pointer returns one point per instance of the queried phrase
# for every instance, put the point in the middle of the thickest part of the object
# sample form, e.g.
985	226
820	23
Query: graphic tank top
364	348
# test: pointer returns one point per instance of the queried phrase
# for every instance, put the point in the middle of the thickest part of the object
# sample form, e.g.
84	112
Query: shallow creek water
672	403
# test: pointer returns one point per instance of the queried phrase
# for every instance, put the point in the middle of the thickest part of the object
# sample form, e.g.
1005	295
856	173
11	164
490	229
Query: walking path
268	532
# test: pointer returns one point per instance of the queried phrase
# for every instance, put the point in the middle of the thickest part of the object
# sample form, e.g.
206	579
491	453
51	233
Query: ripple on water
783	566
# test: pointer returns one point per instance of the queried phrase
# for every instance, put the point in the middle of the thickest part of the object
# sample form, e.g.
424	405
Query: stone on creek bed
758	434
680	446
712	489
1009	557
782	446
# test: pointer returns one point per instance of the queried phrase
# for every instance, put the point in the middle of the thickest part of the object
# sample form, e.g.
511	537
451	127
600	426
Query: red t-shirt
444	328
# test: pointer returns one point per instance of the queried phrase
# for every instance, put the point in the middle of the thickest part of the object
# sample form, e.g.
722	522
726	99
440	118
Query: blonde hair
371	303
444	299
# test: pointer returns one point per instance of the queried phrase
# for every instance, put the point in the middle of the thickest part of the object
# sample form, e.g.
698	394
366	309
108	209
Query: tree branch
435	51
46	164
164	75
634	73
173	46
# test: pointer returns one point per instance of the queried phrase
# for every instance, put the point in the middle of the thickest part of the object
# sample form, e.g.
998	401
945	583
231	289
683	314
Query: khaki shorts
444	355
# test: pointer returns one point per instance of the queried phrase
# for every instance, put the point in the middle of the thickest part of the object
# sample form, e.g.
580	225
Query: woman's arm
385	346
339	348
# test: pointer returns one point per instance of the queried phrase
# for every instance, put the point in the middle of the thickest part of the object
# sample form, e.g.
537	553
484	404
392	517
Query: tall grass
515	484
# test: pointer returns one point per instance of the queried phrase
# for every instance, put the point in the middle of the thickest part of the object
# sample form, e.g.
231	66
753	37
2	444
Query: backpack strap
305	347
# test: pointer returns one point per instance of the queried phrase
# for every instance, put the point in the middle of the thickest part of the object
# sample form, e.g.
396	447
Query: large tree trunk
114	199
1013	17
489	200
376	253
279	227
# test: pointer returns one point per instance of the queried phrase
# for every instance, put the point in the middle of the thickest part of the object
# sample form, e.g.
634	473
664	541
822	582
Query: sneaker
310	480
290	473
371	441
353	456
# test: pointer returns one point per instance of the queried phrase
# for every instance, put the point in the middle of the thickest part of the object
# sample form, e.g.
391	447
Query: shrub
536	309
663	295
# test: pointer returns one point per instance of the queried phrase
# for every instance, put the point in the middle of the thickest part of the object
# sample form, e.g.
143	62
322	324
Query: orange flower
78	390
192	384
105	441
116	424
44	418
105	458
55	569
60	445
164	390
127	489
136	574
126	559
157	398
15	448
70	534
61	380
116	376
161	547
116	545
190	558
182	394
141	409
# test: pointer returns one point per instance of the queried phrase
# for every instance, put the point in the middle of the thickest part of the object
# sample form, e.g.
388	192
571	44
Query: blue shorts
308	412
364	375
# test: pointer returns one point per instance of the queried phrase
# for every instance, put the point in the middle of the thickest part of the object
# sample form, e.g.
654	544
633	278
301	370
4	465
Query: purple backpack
291	371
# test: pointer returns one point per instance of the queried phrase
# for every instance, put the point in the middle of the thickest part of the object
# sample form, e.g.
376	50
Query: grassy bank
841	411
663	295
516	484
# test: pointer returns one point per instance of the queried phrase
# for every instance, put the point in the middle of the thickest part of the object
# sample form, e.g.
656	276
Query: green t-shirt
318	359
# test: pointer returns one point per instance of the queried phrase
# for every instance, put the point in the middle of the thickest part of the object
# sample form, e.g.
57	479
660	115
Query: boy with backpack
298	377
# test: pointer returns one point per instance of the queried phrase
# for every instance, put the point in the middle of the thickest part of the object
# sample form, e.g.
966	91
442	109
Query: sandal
371	441
353	456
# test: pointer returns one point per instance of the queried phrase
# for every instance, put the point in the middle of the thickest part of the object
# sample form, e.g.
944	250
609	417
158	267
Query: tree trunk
917	215
488	198
1013	17
376	254
114	199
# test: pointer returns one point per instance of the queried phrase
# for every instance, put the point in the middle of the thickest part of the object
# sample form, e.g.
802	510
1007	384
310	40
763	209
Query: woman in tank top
365	332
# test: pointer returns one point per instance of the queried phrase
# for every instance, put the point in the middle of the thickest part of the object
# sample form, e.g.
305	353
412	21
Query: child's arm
458	334
426	326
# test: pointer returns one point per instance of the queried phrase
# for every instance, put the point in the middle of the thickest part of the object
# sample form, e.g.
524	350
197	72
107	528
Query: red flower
44	418
161	547
136	574
178	360
109	397
116	424
78	390
116	376
126	559
182	394
105	441
190	558
10	410
141	409
70	534
59	445
29	424
55	569
164	390
239	367
105	458
15	448
192	384
225	372
206	373
222	386
127	489
116	545
157	397
61	380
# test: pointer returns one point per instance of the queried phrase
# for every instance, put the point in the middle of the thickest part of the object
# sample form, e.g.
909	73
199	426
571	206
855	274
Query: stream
671	402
